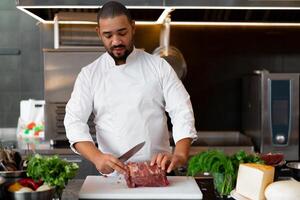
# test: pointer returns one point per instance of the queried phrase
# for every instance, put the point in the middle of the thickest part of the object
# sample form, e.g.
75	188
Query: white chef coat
129	103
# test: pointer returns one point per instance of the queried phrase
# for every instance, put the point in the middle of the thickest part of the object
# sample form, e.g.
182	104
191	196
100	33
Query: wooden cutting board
100	187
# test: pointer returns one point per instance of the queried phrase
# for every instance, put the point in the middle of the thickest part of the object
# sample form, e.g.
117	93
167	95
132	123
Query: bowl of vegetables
47	176
27	188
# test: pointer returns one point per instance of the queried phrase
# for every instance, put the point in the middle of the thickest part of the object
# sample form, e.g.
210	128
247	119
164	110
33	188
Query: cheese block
252	180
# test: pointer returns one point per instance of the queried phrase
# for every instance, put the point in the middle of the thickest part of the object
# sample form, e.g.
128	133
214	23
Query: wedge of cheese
252	180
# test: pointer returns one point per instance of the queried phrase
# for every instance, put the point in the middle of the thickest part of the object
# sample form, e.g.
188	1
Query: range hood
182	11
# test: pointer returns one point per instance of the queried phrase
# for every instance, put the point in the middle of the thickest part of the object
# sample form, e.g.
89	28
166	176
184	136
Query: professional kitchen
149	99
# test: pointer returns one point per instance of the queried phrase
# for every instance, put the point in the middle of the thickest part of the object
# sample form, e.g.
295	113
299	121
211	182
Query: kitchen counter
204	182
28	145
228	141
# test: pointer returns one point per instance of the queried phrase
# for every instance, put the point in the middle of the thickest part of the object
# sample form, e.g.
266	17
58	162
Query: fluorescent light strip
89	22
189	23
233	24
23	8
165	13
32	15
236	7
172	7
89	7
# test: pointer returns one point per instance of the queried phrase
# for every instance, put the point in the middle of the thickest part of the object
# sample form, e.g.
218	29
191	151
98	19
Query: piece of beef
141	174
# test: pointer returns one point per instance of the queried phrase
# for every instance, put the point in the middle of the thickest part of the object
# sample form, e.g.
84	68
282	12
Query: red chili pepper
31	125
29	182
36	133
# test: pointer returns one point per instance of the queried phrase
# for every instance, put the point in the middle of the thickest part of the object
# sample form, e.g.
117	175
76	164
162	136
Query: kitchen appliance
99	187
270	112
61	67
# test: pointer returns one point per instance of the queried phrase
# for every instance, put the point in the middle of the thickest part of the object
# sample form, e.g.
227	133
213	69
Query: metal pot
35	195
295	168
45	195
2	181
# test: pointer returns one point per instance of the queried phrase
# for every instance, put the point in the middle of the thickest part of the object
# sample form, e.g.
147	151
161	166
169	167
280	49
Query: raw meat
141	174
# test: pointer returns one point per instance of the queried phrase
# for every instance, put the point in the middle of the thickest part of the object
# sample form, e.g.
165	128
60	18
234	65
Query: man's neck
120	62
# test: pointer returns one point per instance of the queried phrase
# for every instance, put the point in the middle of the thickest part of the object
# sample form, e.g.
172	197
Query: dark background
218	57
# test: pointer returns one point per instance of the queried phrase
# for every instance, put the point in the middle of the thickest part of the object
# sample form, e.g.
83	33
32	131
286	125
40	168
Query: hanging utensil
170	53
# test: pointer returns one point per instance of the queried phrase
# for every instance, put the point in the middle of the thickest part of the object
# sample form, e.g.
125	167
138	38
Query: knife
131	152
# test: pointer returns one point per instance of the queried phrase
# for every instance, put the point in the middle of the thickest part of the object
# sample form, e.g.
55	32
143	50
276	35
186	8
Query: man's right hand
106	164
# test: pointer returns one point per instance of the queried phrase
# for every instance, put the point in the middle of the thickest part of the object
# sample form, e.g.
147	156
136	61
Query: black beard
121	58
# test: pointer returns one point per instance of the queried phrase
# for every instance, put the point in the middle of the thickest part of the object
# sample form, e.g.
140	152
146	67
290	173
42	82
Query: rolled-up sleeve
178	104
78	110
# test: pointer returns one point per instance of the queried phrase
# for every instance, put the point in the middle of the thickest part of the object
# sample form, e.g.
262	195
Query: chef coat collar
129	59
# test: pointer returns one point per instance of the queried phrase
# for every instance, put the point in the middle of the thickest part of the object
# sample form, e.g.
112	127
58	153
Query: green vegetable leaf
51	169
224	168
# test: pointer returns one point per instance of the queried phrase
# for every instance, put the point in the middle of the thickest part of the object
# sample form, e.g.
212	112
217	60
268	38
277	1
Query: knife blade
131	152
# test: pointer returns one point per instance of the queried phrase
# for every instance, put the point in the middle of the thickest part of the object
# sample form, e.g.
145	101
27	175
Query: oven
61	67
270	112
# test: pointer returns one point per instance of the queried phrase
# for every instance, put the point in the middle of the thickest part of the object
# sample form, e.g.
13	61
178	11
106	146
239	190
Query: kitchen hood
182	11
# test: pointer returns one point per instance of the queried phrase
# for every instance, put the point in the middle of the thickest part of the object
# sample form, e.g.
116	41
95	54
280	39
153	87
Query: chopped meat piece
141	174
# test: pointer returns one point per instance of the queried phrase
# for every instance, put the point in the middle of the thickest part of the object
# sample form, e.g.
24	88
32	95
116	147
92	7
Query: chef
128	90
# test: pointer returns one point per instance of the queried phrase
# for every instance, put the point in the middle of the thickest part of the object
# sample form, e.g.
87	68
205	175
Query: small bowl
39	195
295	168
35	195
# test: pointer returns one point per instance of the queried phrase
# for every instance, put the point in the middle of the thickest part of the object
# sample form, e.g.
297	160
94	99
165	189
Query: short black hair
113	9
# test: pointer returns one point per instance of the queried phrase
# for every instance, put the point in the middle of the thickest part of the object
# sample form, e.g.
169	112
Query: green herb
222	167
51	169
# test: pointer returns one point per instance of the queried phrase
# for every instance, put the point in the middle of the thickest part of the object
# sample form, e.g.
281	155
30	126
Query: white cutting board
100	187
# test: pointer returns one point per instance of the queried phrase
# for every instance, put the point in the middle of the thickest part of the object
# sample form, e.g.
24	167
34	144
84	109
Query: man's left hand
167	161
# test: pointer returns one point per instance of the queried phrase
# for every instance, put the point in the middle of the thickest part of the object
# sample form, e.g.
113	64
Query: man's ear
133	26
98	32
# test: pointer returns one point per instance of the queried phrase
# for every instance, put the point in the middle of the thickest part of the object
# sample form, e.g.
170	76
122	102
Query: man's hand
167	161
179	158
106	164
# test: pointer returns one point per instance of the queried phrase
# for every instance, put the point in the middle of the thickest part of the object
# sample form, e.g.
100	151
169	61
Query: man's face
117	36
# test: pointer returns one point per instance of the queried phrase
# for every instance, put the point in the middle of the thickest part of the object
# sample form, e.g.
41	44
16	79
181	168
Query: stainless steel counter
228	141
72	189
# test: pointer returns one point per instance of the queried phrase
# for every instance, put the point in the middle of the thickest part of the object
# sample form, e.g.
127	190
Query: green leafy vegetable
222	167
51	169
